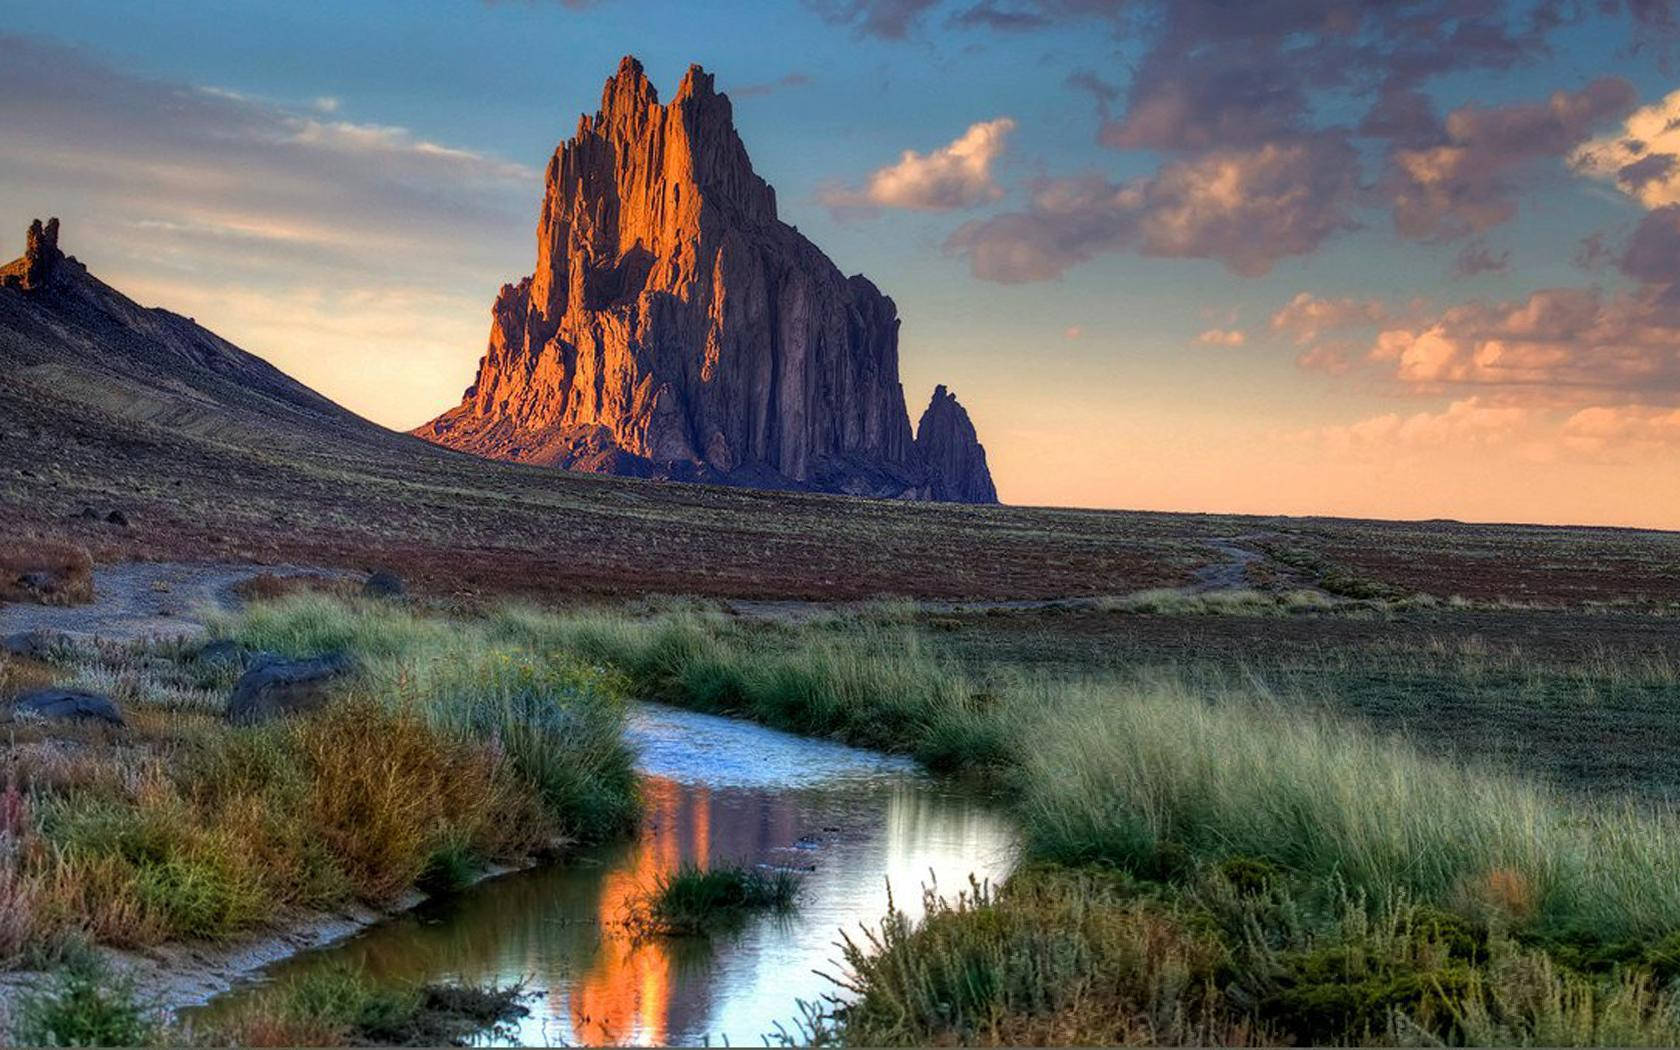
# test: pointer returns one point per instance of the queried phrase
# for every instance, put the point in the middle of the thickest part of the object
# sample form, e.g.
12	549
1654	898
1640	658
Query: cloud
1236	101
790	80
1643	158
1072	332
955	176
1557	344
1623	430
989	14
173	190
1652	255
1306	317
1223	337
1477	258
1247	208
1465	425
1463	184
886	19
220	184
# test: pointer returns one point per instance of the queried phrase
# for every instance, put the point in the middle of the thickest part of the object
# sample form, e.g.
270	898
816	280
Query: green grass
1091	957
868	683
696	901
83	1004
1153	778
451	750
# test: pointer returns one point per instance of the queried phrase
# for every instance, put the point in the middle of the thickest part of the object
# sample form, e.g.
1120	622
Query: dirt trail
134	600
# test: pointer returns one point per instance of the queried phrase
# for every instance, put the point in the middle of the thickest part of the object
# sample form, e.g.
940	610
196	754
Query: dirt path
1230	574
135	600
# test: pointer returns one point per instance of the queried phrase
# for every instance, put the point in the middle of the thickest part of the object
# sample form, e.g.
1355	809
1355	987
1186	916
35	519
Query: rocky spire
674	327
41	257
952	453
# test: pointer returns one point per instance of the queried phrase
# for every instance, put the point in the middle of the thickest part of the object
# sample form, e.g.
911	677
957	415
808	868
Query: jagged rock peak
951	450
40	257
674	327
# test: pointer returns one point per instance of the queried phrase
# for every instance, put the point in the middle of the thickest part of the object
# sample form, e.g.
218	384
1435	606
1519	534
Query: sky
1405	259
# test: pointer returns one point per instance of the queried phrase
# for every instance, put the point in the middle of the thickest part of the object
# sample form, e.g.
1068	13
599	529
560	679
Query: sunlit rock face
675	328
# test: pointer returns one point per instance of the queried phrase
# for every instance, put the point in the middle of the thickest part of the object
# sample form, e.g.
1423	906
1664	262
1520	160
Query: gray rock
67	705
117	517
275	687
384	584
36	645
39	582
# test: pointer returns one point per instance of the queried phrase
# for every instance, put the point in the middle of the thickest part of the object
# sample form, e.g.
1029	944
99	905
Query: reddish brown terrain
209	453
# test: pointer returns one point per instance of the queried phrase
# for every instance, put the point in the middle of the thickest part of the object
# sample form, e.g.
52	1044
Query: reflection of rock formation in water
644	993
559	928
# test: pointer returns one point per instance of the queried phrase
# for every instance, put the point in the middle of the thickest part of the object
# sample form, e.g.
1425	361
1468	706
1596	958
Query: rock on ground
275	687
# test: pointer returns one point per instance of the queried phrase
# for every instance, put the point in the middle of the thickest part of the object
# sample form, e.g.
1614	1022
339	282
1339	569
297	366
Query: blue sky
1132	348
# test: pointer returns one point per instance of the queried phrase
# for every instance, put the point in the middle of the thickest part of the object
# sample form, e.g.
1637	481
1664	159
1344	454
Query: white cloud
1643	158
955	176
240	211
1223	337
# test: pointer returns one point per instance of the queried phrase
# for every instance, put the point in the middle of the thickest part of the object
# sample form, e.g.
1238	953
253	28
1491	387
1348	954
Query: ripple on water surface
717	790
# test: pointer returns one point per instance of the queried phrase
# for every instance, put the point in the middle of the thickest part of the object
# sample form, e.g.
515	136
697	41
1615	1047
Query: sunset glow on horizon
1417	260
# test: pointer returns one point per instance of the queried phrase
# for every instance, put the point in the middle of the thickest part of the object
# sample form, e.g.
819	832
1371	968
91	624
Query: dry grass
65	571
266	586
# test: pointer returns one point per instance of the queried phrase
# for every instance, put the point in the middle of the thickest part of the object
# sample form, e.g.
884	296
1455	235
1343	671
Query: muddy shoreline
178	975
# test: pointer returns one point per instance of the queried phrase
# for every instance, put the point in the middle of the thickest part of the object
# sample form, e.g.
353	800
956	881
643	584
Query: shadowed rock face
41	258
674	327
952	453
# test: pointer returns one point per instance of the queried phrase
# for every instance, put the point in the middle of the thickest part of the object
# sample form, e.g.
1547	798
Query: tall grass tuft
869	684
558	720
1156	779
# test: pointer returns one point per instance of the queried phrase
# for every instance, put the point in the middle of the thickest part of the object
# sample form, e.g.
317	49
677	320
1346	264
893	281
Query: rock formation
41	258
952	453
674	327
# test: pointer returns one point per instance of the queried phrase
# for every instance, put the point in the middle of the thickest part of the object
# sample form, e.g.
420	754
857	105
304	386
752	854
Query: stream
717	790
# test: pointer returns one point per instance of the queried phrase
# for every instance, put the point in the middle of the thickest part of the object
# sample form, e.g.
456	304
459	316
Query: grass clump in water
695	901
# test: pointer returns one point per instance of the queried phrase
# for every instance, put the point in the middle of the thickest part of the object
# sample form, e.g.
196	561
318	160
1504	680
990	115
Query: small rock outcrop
675	327
951	450
382	583
275	687
35	645
40	261
66	705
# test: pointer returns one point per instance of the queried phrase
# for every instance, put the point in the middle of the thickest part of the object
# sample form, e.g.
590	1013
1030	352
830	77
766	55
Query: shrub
84	1004
1054	958
66	571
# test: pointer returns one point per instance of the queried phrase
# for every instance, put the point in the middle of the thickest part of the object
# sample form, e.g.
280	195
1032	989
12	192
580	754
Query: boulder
67	705
35	645
384	584
117	517
276	687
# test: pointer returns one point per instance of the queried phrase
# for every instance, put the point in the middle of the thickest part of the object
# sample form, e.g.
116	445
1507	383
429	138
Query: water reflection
853	830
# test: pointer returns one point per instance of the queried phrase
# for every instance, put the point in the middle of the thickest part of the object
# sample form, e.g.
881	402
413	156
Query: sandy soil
134	600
